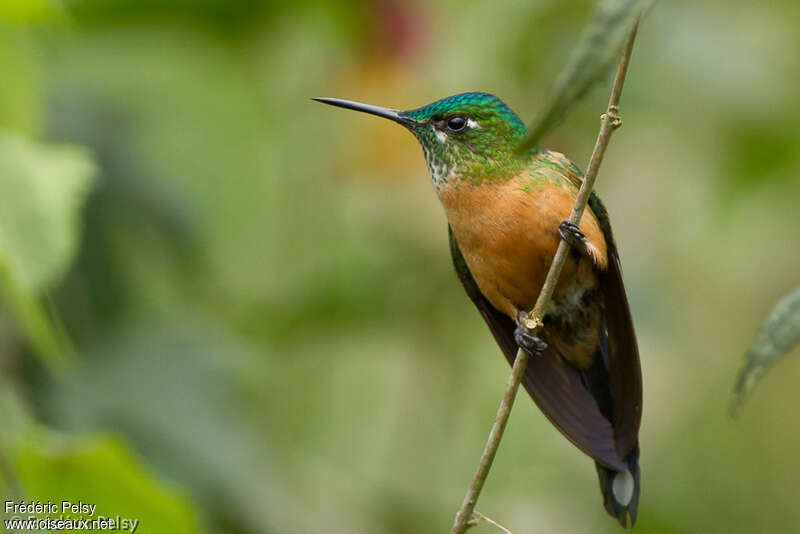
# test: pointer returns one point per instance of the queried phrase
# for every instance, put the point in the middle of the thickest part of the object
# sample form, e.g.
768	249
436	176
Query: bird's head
469	135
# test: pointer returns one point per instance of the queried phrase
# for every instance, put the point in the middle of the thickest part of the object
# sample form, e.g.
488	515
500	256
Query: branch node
533	322
613	119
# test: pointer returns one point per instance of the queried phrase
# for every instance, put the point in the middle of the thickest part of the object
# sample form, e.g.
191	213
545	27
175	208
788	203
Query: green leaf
102	472
42	190
39	464
778	335
597	49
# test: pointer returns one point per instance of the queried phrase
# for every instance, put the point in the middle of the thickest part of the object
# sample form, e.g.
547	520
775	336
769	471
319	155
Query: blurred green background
225	308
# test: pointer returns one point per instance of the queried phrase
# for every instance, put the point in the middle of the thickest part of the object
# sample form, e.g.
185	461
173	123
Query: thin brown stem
477	516
609	122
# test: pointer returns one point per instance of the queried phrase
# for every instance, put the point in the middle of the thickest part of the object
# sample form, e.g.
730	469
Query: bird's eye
456	123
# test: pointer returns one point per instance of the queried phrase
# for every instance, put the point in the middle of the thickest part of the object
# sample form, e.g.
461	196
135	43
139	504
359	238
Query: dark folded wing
555	385
624	369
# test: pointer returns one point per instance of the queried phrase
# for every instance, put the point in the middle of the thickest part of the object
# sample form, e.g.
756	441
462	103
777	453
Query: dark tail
621	489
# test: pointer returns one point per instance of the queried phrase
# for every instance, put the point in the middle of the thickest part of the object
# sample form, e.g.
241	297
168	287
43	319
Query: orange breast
508	234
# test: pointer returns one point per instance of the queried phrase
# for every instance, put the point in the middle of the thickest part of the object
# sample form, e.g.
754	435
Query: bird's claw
572	235
528	342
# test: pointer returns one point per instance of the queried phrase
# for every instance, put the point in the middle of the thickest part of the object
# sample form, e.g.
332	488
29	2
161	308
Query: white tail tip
622	487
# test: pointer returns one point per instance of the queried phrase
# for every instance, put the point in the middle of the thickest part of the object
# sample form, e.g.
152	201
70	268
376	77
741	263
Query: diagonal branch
609	122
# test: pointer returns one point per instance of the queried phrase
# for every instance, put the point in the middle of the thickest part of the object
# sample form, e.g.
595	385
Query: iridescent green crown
474	104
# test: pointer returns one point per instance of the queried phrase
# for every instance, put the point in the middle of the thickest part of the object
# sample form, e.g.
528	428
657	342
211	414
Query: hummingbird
507	211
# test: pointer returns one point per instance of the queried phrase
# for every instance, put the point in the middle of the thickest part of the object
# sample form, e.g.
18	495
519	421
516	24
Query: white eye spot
472	124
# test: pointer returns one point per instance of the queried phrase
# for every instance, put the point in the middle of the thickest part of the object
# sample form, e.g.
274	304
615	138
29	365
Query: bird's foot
572	235
528	342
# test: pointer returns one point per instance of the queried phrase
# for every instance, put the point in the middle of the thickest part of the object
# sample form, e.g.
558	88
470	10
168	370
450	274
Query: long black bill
386	113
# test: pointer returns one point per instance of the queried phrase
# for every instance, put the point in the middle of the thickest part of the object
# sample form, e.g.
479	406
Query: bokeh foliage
596	50
778	336
268	335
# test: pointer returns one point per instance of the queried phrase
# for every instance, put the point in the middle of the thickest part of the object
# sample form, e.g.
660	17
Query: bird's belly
508	238
508	264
